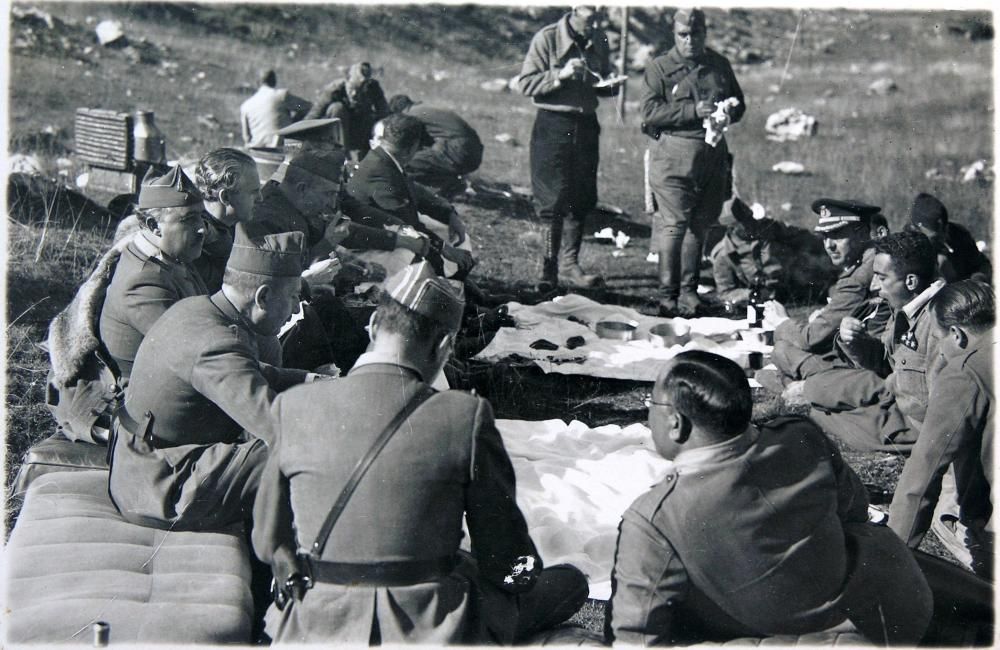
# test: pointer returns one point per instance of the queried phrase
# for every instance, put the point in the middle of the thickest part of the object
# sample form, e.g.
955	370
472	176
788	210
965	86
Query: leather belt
380	574
140	428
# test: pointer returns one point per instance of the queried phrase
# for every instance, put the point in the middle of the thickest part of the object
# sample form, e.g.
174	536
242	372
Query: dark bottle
755	307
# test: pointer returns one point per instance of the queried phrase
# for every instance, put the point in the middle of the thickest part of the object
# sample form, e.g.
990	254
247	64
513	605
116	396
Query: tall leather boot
669	266
550	263
689	300
572	275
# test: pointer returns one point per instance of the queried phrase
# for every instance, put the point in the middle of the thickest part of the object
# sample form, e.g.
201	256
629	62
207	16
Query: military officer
958	256
800	556
155	268
192	437
879	404
804	348
690	178
957	432
358	102
389	569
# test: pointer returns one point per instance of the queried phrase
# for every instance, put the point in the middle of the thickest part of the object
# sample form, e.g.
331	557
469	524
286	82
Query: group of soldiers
170	354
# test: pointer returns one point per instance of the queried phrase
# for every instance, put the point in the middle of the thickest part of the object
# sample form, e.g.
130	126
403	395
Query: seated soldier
457	149
380	182
384	566
791	261
957	432
880	403
797	554
192	437
358	102
958	256
155	268
229	184
800	347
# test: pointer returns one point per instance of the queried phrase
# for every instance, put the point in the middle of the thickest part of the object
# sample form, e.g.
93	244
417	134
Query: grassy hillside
194	64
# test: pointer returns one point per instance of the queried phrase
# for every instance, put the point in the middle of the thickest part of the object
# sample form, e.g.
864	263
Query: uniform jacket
199	372
549	51
144	285
266	112
672	86
960	259
786	501
379	183
365	107
905	356
452	135
957	431
736	260
851	291
445	462
215	250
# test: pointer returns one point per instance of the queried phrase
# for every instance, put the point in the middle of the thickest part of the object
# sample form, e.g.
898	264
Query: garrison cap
735	211
399	103
834	214
171	190
929	212
692	18
278	255
326	163
420	290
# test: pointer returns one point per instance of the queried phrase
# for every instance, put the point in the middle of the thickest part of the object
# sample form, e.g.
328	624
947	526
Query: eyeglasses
650	402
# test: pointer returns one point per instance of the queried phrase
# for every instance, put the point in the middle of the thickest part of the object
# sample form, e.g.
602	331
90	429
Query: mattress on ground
72	560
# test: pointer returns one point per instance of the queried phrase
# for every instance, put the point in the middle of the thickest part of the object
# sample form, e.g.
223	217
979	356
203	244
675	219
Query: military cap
326	163
420	290
692	18
399	103
929	212
834	214
735	211
171	190
279	255
311	129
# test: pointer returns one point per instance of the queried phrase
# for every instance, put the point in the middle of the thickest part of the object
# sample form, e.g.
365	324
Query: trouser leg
559	593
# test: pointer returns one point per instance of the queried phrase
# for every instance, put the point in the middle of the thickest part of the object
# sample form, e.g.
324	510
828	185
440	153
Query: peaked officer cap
326	163
929	212
305	129
834	214
419	289
278	256
171	190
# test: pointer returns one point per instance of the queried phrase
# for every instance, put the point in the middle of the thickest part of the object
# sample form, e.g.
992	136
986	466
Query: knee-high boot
569	257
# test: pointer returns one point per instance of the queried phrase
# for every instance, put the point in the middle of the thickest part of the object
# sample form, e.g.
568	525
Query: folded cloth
639	359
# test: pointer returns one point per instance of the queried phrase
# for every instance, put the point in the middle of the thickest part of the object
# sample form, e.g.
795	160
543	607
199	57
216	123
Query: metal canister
149	143
102	634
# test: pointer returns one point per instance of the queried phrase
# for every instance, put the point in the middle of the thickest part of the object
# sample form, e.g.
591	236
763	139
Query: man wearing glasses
564	73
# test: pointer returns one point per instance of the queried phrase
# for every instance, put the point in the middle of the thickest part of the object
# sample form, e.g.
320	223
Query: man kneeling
380	563
755	531
192	437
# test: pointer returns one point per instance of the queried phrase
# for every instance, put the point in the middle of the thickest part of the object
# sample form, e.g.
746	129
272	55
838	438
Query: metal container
616	330
149	143
102	634
666	335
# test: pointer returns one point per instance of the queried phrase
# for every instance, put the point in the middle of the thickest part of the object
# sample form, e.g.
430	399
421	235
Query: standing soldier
690	177
565	62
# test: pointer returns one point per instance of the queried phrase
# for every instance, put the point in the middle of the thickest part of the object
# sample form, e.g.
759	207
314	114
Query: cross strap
362	466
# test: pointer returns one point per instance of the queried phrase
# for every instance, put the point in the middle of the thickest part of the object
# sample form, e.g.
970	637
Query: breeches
690	181
565	154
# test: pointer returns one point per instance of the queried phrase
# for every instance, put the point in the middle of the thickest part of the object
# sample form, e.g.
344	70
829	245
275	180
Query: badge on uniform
909	339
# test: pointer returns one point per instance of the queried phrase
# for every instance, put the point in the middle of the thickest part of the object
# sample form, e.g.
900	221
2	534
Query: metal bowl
616	330
666	335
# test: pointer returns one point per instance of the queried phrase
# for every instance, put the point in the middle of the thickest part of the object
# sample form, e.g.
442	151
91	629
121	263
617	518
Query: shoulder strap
362	467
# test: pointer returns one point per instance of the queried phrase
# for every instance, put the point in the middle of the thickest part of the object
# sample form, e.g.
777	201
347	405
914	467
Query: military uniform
144	285
192	437
879	404
211	264
957	432
689	178
798	554
457	150
358	110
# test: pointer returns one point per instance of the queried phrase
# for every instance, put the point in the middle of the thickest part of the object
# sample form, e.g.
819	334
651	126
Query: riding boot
690	270
569	257
550	264
669	265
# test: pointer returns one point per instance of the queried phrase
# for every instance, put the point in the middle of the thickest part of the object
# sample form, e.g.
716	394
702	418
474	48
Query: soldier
880	403
802	349
229	184
564	64
802	557
192	437
957	432
269	110
958	256
457	149
358	102
155	268
690	178
383	566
